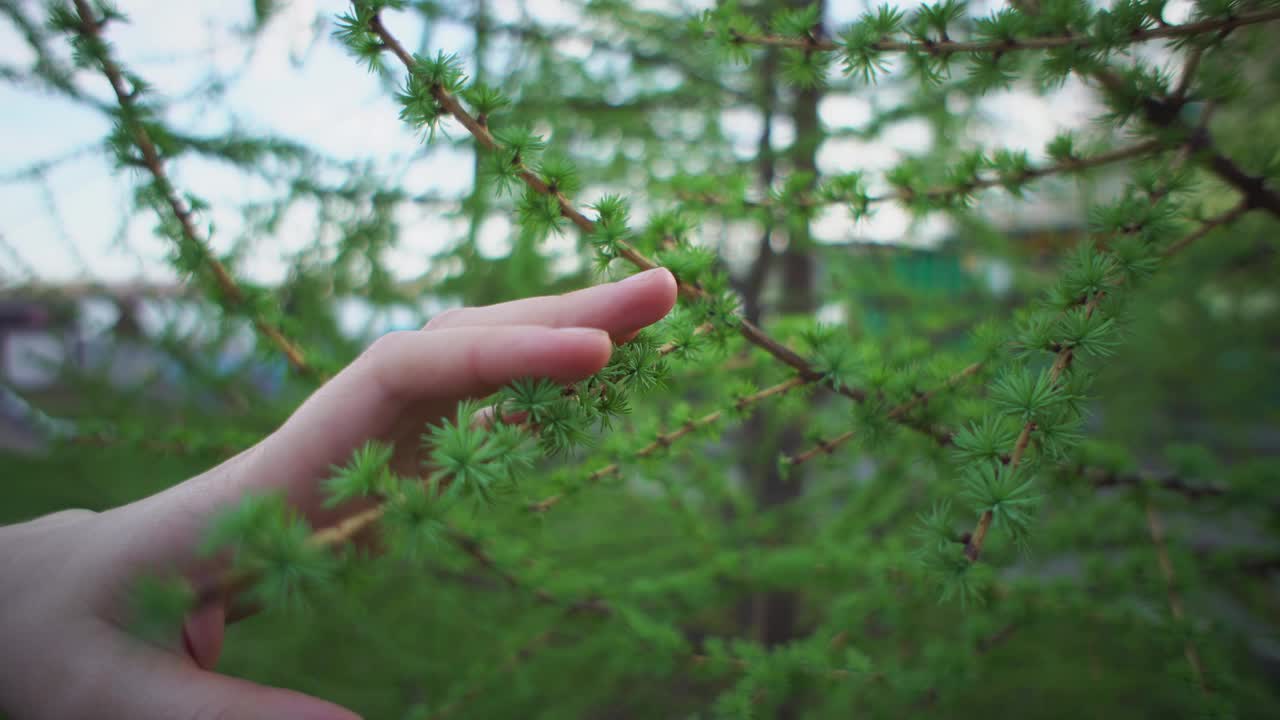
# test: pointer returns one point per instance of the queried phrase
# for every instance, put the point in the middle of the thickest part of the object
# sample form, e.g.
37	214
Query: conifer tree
841	478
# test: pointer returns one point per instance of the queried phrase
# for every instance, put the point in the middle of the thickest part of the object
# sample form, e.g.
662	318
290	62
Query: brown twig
485	138
1101	478
1163	113
230	585
1068	165
1156	527
973	549
897	414
1207	227
91	29
665	440
943	47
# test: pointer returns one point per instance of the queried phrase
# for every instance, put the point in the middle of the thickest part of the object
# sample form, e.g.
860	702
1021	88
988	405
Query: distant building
49	333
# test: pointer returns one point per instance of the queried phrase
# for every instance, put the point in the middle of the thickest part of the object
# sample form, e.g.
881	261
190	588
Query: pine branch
666	440
1160	112
1164	113
977	538
536	643
1156	527
476	550
1069	165
897	414
1062	360
943	192
480	131
1207	227
91	30
625	45
973	548
232	584
940	47
1102	478
48	68
353	527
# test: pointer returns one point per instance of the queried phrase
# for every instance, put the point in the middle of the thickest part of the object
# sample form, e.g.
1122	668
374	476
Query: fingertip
652	294
659	281
596	347
670	289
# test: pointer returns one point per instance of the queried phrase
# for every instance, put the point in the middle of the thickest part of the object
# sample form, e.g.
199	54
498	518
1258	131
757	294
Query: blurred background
118	378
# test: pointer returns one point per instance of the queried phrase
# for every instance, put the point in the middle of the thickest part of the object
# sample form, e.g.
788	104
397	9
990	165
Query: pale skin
64	652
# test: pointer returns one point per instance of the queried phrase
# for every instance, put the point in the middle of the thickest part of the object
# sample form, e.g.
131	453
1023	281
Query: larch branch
665	440
1045	42
1068	165
1155	525
91	28
482	135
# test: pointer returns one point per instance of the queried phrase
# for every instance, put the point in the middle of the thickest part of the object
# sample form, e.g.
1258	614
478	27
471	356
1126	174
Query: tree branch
897	414
940	192
91	29
1163	113
1101	478
665	440
1156	527
480	132
1046	42
973	548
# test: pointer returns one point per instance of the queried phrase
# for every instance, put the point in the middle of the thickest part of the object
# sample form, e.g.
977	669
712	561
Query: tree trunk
774	614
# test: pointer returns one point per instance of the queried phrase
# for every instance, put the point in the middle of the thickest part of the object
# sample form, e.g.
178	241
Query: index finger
619	308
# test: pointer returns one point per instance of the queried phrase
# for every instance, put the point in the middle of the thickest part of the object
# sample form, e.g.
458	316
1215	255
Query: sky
69	228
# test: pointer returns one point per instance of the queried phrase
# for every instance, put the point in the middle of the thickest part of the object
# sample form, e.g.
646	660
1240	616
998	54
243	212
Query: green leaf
531	397
1024	394
444	71
1008	494
366	474
560	174
1088	332
413	520
988	440
935	528
461	456
484	99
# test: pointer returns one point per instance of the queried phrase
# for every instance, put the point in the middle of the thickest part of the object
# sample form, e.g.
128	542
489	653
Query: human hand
64	652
